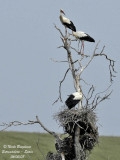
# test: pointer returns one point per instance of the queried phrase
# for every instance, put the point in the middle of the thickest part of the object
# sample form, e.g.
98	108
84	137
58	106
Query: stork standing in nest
73	99
66	22
82	36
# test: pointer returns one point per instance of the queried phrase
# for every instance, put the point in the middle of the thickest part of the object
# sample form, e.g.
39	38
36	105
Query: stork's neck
61	14
74	33
61	18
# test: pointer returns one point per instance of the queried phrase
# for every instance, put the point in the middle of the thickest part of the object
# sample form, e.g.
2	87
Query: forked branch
111	64
17	123
93	102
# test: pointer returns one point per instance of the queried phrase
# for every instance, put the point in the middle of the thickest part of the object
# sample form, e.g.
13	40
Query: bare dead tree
76	75
80	124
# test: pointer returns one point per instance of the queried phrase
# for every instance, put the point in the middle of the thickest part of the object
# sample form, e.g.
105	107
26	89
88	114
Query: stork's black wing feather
87	38
70	26
70	102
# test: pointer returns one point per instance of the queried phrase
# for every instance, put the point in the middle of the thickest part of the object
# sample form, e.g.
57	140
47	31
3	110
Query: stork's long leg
83	47
78	44
65	30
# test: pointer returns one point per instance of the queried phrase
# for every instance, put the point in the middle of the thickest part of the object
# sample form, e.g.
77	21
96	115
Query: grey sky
29	79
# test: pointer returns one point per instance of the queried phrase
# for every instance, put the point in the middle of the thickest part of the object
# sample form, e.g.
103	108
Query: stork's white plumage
73	99
83	37
66	22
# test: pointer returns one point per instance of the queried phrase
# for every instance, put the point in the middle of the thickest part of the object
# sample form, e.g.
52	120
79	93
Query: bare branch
84	81
90	58
67	43
74	61
104	90
16	123
79	52
50	132
60	97
60	47
59	30
90	93
111	64
100	99
97	98
58	61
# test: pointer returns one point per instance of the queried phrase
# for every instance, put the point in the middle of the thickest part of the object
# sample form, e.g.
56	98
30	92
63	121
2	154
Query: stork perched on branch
66	22
73	99
82	36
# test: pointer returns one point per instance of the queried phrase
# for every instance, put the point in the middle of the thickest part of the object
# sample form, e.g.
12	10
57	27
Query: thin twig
58	61
59	30
84	81
111	64
91	57
79	52
60	97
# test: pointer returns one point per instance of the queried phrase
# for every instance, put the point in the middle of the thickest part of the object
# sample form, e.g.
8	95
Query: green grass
46	143
107	149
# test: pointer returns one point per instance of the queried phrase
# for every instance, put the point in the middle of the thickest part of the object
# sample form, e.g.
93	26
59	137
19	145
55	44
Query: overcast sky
29	79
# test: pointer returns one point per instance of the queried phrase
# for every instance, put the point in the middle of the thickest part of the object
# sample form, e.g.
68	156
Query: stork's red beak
62	11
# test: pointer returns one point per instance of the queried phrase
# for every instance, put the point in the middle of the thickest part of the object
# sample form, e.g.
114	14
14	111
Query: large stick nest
53	156
86	120
66	146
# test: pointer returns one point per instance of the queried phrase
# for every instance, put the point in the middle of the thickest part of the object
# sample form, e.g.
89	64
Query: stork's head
61	11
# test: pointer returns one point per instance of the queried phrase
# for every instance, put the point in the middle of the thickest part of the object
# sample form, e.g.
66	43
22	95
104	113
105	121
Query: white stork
82	36
73	99
66	22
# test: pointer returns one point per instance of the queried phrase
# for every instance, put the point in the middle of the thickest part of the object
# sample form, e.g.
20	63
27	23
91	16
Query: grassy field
39	144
